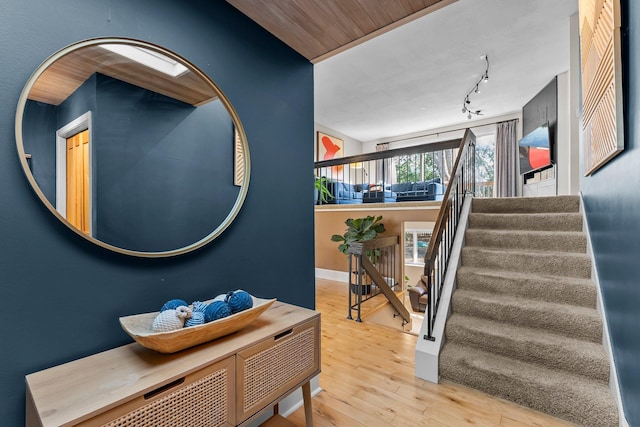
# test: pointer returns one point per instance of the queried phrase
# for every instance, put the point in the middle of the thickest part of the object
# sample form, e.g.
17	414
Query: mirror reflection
132	147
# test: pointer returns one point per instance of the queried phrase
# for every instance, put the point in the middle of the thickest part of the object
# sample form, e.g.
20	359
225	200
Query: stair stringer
614	385
427	353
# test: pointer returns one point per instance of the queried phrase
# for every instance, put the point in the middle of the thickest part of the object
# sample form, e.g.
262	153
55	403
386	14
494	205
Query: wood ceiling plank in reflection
64	76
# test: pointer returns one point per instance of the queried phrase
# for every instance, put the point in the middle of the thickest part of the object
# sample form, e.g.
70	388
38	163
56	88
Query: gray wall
61	295
612	205
541	109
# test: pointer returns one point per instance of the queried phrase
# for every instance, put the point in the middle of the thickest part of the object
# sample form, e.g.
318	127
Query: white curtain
506	178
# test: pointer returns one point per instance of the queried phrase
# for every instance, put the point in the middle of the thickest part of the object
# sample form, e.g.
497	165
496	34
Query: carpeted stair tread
524	324
536	262
527	221
558	289
572	321
559	241
531	345
527	204
561	394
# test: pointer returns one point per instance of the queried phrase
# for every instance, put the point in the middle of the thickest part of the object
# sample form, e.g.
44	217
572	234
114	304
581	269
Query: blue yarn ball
216	310
199	306
173	304
197	318
239	301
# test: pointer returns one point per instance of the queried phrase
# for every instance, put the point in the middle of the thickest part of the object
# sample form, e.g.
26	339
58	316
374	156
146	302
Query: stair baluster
461	185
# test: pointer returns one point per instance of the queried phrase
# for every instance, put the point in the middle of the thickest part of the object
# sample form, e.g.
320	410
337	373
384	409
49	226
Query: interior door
78	185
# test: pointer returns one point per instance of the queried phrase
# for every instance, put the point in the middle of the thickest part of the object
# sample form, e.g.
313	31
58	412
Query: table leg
306	397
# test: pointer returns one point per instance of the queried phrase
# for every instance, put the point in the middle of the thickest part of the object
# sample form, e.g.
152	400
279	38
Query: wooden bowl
138	326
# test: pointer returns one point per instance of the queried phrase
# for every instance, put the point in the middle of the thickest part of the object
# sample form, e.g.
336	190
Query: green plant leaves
321	186
359	230
369	234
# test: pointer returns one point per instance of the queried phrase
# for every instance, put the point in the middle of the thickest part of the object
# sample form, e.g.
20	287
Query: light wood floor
368	380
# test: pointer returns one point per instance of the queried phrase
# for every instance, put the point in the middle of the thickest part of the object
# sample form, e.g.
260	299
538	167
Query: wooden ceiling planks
67	73
320	29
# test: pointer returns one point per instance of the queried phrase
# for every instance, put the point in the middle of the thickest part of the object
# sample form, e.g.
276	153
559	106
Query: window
485	161
416	243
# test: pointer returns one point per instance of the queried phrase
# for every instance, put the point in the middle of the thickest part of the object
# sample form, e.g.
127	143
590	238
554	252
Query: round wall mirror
132	147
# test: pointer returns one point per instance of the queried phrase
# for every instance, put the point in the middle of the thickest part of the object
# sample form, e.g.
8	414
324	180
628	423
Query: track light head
466	104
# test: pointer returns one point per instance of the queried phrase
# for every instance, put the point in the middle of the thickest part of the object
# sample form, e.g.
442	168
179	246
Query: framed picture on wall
329	147
600	45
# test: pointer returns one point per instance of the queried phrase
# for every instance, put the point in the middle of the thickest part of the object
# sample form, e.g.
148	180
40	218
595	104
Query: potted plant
360	230
321	191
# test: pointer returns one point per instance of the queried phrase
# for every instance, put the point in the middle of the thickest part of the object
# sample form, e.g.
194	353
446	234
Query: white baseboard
337	276
606	342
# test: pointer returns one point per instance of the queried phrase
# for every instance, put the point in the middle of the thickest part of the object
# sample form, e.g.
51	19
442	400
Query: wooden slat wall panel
601	94
238	173
317	28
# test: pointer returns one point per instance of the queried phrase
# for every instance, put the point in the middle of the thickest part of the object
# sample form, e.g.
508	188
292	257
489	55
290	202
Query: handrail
461	184
416	173
377	278
382	251
378	155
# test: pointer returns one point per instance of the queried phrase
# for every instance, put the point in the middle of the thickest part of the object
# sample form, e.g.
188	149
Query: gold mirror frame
242	158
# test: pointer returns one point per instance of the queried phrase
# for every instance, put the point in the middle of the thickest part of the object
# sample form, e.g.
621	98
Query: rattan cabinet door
205	398
270	369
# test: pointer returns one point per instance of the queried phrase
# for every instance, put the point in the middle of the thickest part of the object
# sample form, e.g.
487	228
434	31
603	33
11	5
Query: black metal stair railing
416	173
461	185
374	270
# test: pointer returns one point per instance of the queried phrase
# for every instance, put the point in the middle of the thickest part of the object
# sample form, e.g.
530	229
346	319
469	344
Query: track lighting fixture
466	105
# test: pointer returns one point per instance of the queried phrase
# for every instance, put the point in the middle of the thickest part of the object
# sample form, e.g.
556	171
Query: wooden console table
229	381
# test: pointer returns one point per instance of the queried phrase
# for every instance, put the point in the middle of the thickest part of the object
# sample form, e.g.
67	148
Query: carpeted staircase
524	324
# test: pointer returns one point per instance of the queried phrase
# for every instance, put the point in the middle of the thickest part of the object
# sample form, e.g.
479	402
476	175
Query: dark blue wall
84	99
61	295
42	144
162	170
612	204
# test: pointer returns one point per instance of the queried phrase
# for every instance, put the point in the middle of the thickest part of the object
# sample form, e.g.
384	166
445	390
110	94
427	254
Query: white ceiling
415	78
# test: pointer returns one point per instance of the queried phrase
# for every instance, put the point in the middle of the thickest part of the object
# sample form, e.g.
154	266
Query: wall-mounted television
535	150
